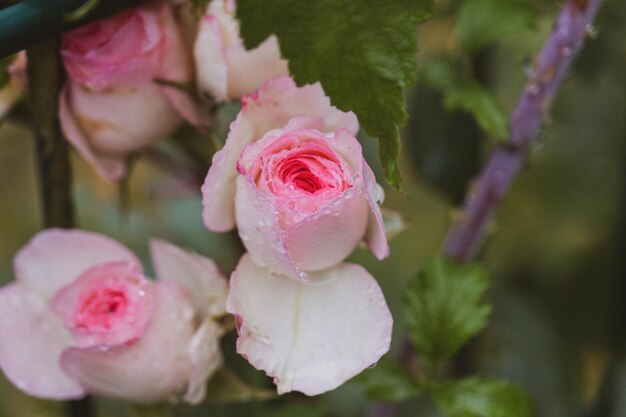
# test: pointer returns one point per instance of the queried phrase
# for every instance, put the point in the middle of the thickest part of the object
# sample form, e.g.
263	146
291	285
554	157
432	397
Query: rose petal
123	118
350	148
55	257
271	107
199	275
260	232
31	345
178	67
109	167
310	338
327	237
109	304
206	358
150	370
210	58
248	70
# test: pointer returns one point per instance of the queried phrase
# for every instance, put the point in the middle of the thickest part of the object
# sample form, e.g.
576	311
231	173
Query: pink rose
111	105
292	177
83	318
226	70
310	337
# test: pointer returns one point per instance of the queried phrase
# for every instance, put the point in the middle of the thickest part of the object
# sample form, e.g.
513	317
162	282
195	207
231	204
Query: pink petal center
301	170
107	305
113	48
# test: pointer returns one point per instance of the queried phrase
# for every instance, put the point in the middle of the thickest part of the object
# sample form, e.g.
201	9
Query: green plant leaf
480	397
389	381
362	51
481	104
485	22
226	387
445	307
445	73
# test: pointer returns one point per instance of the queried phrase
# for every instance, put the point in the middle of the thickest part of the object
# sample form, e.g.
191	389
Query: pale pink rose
292	177
83	318
11	93
225	69
111	105
310	337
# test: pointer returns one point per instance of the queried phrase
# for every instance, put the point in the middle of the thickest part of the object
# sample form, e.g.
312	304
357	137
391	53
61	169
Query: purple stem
572	25
465	237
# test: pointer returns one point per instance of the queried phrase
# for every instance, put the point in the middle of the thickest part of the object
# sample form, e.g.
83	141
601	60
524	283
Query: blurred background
555	253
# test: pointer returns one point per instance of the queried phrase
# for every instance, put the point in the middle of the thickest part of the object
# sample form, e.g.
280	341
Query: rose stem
572	25
45	75
465	236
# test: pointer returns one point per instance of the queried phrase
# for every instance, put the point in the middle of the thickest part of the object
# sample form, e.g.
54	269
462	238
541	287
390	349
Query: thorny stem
550	67
55	177
45	78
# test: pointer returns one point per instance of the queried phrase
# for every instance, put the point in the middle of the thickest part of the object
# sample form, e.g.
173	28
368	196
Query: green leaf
227	387
479	397
481	104
445	307
485	22
362	51
389	381
5	77
445	73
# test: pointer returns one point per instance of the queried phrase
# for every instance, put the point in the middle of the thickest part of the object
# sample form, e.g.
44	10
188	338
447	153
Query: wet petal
152	369
201	277
270	107
375	237
260	232
31	345
56	257
311	338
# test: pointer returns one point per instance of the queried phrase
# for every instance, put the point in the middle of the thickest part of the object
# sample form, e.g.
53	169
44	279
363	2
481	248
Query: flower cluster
130	77
292	179
82	316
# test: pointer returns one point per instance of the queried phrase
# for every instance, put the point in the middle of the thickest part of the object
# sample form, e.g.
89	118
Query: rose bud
83	318
112	104
292	177
226	70
310	337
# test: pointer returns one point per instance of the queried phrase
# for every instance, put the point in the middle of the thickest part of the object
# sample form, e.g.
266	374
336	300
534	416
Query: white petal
56	257
199	275
310	337
206	358
32	341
